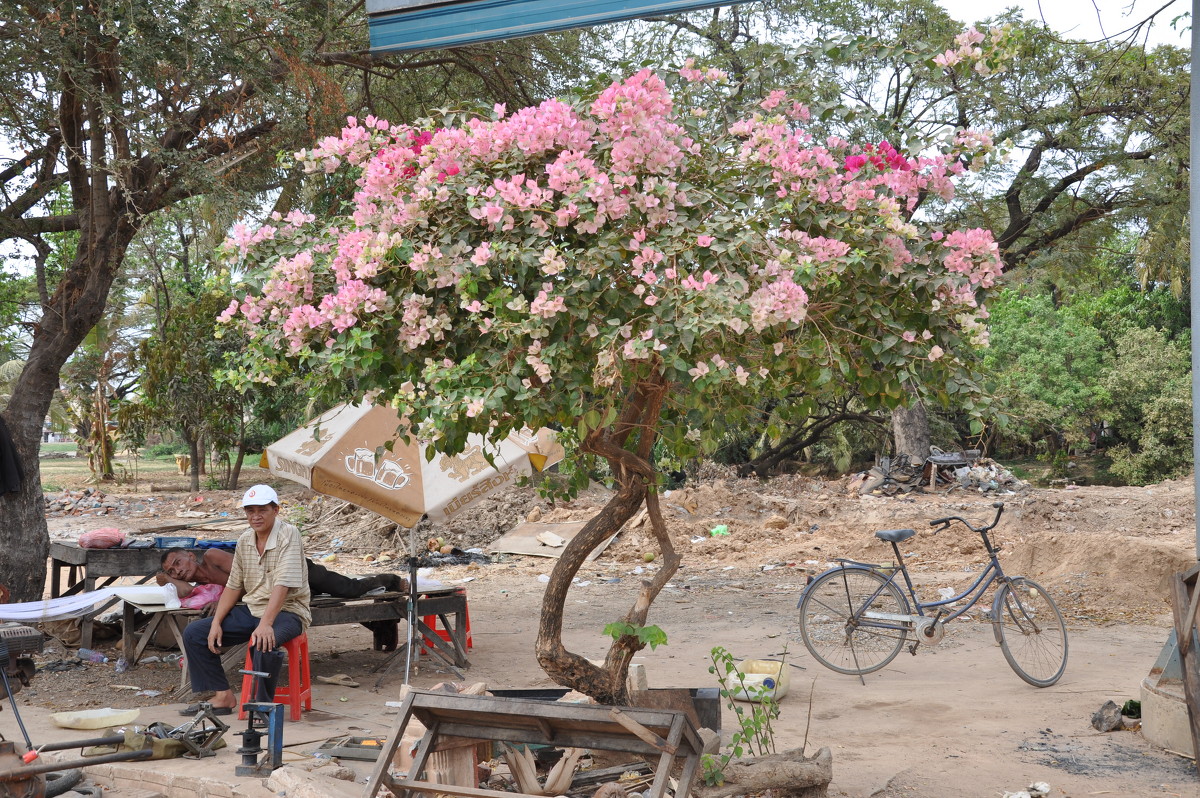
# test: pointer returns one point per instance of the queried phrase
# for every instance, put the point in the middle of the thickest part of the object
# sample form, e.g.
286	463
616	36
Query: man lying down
200	579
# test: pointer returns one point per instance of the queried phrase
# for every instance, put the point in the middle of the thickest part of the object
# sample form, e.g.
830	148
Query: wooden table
88	569
665	734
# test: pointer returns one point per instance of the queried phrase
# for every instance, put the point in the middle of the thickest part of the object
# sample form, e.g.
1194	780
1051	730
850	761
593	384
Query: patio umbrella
342	454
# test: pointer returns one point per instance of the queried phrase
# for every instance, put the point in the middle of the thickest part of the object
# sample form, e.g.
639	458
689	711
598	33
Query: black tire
1031	631
832	627
59	781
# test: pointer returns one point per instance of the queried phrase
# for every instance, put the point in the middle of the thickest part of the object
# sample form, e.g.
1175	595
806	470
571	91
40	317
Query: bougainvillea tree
631	266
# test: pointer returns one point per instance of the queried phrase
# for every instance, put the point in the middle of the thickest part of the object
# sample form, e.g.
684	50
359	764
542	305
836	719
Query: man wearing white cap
269	574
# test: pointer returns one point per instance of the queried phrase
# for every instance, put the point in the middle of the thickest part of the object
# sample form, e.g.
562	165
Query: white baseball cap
259	495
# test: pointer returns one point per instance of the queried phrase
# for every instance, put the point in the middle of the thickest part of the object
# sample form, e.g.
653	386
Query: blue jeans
204	667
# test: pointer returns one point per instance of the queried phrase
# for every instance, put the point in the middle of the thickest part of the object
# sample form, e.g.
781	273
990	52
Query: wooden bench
665	734
380	613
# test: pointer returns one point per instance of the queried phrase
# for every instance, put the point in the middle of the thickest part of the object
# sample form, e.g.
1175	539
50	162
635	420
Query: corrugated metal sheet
422	25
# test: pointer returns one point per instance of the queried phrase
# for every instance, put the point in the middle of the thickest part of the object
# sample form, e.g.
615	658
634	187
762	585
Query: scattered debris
1107	718
550	539
952	470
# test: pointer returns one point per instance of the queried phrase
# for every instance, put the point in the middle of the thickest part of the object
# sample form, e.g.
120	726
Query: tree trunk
790	774
634	474
194	471
23	517
70	314
235	473
910	426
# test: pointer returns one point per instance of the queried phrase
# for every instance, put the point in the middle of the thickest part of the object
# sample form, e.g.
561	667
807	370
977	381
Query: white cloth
161	597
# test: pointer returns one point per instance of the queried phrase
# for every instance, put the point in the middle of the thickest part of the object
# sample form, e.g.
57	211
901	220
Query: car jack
262	718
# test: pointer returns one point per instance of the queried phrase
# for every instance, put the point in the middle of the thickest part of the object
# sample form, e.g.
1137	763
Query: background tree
1149	407
625	264
1096	132
1047	364
128	109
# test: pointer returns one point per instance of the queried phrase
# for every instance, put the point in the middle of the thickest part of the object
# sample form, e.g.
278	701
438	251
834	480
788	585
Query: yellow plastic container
757	675
94	718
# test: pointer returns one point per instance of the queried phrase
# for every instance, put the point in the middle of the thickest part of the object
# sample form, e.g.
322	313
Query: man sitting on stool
268	572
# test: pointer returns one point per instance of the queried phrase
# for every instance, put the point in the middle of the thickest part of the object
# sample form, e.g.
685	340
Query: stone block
302	784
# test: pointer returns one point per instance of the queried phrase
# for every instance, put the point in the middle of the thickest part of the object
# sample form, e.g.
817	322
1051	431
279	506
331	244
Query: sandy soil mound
1106	552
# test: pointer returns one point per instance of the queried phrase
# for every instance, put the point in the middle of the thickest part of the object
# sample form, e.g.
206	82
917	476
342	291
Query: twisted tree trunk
627	446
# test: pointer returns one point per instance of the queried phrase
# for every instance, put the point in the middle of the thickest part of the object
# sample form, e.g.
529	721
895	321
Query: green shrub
1150	407
164	450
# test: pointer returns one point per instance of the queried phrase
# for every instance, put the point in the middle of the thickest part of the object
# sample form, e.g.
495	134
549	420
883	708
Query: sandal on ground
194	708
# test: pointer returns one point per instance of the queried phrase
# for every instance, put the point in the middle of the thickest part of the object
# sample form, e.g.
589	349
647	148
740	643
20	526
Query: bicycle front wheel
1030	631
835	630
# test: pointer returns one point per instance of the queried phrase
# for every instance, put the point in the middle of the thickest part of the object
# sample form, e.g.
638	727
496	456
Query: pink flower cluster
882	156
690	73
973	253
780	302
636	115
510	227
968	47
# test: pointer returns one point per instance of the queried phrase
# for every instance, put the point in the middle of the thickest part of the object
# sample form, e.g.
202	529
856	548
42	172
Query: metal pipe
49	767
1194	229
63	746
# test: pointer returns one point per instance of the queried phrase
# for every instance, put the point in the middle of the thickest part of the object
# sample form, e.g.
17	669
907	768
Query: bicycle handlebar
944	523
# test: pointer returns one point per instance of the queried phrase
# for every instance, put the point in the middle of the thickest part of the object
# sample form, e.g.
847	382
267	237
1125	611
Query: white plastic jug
759	673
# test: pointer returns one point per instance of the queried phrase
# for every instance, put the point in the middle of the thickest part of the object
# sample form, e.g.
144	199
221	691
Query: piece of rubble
1107	718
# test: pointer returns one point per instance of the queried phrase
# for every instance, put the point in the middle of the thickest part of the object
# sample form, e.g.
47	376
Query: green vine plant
652	636
755	735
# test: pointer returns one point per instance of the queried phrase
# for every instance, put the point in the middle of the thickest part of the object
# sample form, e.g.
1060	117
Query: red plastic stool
297	691
432	622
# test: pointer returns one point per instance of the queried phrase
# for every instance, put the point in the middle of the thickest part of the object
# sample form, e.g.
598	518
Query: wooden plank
562	738
485	709
463	792
69	553
379	774
1189	661
662	776
641	731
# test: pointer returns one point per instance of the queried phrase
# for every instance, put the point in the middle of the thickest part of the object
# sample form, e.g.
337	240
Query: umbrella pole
412	615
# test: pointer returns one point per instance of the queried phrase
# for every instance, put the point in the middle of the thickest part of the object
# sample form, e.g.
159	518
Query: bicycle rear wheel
1030	631
834	630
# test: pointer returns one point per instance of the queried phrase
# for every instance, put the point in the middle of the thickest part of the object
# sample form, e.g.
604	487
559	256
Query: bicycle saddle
895	535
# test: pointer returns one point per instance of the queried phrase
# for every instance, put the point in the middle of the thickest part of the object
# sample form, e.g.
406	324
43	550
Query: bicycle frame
990	575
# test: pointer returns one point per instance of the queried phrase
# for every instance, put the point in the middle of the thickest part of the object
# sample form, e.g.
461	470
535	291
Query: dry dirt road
952	722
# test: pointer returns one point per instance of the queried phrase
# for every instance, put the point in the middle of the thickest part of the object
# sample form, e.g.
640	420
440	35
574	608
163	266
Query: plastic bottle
173	659
122	665
88	655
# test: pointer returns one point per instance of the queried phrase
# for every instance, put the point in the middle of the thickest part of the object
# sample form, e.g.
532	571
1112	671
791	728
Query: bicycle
855	619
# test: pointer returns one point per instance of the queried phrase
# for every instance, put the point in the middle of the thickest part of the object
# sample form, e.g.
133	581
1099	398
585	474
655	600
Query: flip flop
194	708
340	679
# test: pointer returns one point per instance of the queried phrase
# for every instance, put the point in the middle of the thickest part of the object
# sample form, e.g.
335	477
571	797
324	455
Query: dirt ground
951	721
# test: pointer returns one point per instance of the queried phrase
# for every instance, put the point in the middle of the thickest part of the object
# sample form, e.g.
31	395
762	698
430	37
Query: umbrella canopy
341	454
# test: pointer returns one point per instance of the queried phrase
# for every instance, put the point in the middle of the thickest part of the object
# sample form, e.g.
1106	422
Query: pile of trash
92	501
959	470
